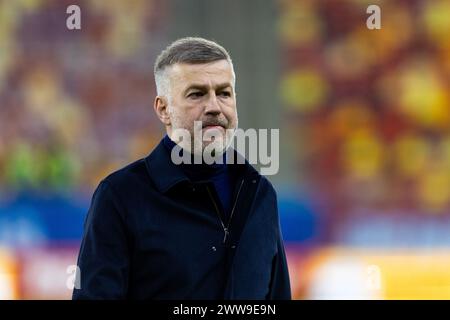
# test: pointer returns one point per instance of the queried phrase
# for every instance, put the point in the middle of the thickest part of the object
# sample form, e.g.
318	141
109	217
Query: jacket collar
165	174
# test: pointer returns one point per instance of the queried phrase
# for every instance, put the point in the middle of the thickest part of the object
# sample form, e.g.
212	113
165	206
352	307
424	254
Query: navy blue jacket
151	233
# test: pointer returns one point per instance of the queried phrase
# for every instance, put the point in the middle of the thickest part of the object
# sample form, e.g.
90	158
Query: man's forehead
221	71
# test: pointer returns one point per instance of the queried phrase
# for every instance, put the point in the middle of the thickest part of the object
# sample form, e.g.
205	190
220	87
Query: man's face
203	92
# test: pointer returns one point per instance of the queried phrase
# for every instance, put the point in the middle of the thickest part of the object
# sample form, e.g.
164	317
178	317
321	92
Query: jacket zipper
226	229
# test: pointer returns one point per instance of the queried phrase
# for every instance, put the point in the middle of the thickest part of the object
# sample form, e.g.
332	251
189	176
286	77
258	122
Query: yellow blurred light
363	154
299	24
8	276
304	90
126	35
420	275
434	189
41	90
436	17
379	273
410	155
423	97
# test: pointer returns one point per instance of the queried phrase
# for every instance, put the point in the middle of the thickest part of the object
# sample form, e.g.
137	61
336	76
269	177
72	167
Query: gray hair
186	50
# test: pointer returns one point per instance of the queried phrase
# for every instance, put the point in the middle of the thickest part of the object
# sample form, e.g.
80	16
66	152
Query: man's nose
212	105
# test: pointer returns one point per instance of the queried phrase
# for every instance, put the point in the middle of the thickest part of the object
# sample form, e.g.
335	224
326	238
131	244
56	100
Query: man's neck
192	169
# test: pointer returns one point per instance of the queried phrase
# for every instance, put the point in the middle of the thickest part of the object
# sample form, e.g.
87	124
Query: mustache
214	122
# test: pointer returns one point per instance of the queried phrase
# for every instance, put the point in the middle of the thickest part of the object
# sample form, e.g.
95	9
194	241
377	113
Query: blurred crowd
75	104
370	110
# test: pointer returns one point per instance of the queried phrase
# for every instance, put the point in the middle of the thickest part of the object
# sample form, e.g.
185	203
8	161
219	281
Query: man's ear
160	105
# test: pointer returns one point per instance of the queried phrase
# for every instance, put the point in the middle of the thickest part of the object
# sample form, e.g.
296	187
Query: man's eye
196	94
225	94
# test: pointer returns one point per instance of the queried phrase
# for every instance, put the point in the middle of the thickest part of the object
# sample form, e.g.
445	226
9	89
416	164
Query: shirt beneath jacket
217	173
153	233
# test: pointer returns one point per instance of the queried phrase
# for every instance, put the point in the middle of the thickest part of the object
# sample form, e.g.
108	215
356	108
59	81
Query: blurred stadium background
364	118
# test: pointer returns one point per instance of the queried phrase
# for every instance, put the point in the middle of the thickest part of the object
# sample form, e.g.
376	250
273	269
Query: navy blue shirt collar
165	174
198	172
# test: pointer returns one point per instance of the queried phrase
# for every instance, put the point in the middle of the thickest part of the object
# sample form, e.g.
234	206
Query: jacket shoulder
269	187
127	176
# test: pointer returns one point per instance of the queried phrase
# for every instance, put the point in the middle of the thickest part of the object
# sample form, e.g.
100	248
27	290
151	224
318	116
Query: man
161	230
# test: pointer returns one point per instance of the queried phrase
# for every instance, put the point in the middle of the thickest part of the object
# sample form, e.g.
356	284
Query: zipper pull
226	233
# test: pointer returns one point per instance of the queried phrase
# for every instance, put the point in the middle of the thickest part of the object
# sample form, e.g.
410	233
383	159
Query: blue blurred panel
31	219
299	223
